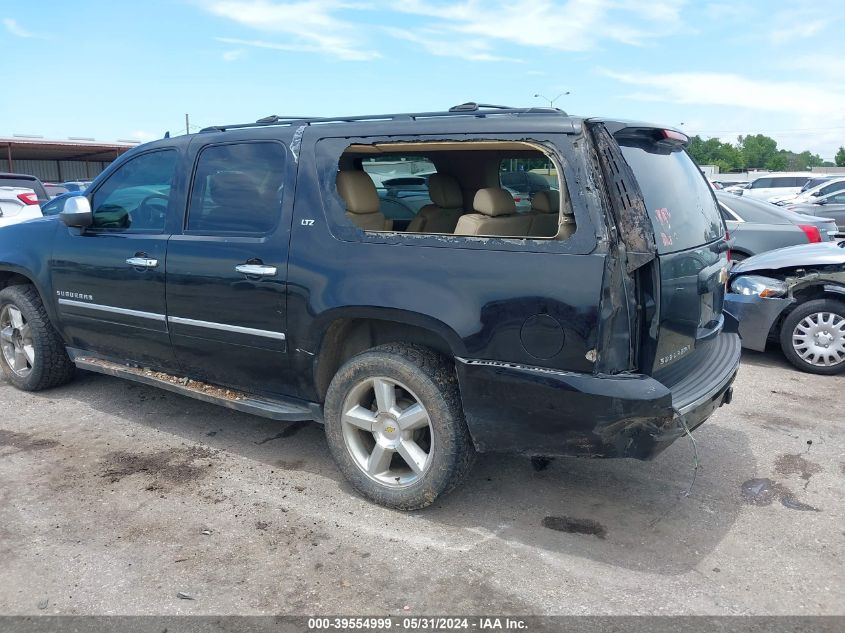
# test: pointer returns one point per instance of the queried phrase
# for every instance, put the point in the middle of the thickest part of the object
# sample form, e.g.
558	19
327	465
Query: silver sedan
829	206
756	226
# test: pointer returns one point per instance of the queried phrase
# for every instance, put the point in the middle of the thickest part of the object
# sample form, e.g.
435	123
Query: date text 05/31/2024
416	623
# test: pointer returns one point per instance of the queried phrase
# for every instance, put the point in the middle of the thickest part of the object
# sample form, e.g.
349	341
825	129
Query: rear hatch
683	288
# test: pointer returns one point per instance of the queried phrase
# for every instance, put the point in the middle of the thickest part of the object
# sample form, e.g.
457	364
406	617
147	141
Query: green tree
840	157
778	162
758	150
714	152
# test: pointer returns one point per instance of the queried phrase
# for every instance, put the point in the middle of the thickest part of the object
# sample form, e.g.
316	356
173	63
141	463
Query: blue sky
118	70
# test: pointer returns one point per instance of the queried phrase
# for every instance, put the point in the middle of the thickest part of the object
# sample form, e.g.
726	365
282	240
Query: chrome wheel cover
388	432
819	339
16	341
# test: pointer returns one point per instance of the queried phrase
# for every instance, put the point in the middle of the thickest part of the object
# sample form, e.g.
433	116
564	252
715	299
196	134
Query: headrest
232	188
546	201
493	201
359	192
444	191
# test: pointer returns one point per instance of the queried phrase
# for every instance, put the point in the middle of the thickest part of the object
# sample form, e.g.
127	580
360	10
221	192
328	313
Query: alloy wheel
388	432
16	341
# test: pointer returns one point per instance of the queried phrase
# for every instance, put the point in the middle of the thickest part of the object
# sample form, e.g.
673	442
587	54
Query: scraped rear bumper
530	410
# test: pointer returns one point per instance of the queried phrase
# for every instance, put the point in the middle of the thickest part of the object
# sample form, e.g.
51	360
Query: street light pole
551	101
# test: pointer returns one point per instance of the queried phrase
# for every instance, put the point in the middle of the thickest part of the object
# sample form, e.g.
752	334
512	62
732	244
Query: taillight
728	242
672	135
28	198
812	232
517	199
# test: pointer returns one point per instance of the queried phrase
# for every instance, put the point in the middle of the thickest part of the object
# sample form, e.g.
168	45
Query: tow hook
729	395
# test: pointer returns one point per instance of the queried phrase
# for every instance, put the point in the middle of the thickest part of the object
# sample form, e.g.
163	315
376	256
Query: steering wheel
145	209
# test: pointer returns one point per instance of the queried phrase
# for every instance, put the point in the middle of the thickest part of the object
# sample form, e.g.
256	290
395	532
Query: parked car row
756	226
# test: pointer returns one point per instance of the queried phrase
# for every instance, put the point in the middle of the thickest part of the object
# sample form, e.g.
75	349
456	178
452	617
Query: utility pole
187	124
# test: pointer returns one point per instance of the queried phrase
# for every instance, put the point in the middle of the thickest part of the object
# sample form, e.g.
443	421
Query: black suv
251	265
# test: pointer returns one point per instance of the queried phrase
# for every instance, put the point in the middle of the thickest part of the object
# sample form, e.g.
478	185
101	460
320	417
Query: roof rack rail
464	109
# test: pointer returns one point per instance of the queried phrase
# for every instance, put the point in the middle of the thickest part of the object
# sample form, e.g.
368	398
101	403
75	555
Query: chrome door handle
256	270
142	262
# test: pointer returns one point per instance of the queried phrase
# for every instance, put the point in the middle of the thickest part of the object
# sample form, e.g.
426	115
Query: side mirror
77	213
816	194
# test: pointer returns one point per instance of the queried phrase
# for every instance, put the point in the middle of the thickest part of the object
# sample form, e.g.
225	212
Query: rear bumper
756	316
530	410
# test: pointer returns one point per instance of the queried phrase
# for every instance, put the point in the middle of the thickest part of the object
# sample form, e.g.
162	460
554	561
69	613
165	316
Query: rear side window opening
464	189
680	203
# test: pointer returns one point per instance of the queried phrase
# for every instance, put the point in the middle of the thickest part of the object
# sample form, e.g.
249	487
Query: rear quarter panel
475	293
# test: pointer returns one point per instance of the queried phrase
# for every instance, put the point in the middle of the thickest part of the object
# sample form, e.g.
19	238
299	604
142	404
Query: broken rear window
679	201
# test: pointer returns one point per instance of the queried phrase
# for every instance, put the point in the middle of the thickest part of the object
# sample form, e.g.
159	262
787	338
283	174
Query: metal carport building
58	160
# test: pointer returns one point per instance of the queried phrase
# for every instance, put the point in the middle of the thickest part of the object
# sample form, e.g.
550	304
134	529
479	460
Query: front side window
135	197
237	189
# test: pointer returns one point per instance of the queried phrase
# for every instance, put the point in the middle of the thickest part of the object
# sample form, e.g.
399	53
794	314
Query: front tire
32	354
812	337
395	425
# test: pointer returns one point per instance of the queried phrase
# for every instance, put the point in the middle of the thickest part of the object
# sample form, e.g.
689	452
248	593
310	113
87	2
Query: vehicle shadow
619	512
624	513
772	357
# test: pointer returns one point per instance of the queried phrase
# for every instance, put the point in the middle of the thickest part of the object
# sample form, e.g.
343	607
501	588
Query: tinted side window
237	188
761	183
837	186
401	182
527	176
135	197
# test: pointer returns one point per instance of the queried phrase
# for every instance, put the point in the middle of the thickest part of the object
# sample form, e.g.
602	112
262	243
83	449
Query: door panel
107	304
226	274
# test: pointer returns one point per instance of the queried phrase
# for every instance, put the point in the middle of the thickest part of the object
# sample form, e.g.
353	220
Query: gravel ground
115	497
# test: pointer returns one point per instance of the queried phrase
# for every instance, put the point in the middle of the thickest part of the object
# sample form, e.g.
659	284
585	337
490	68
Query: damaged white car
795	296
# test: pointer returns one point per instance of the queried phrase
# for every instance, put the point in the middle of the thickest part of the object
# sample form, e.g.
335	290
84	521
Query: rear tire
32	354
812	337
395	425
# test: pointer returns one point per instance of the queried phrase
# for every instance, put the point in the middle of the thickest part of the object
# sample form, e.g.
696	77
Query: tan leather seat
362	201
495	215
448	201
548	219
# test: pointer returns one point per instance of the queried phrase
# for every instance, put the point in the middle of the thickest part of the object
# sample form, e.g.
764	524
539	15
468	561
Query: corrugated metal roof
31	148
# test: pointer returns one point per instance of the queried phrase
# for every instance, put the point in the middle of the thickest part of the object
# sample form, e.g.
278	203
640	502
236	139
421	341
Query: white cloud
799	115
233	55
440	44
16	29
143	137
727	11
720	89
799	30
576	25
308	26
821	65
